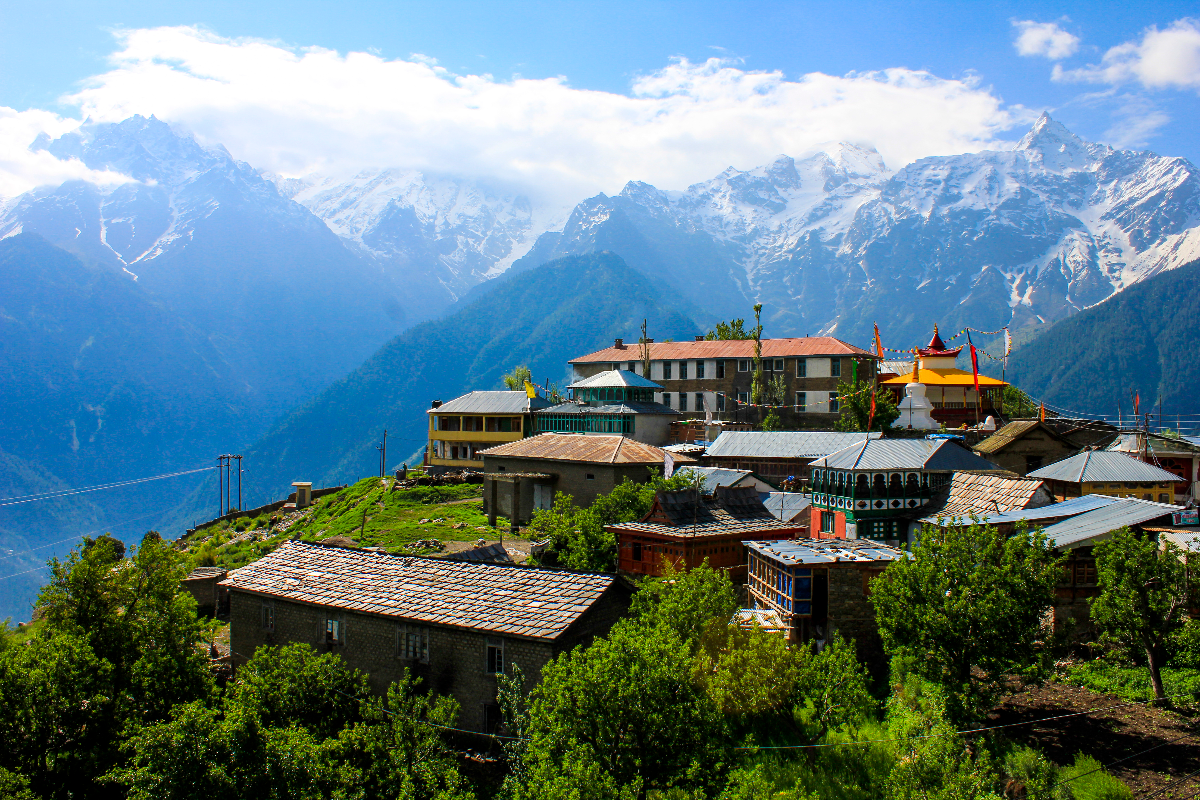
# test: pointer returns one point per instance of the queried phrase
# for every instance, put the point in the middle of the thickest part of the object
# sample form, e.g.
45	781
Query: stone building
202	584
715	376
1025	445
821	586
455	625
686	528
526	475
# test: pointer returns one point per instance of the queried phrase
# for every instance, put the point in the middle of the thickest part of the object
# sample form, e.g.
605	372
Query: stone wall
570	478
852	615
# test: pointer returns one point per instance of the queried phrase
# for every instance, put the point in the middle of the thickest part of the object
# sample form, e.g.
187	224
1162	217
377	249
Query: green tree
515	380
968	608
1015	403
757	384
685	601
725	331
772	421
623	718
1143	597
856	409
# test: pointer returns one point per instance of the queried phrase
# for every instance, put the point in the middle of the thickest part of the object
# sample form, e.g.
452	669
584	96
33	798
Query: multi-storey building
875	489
951	390
611	402
715	376
461	428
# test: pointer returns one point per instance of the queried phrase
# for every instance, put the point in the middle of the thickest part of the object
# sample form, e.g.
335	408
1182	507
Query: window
827	522
835	367
637	551
699	370
335	631
631	366
412	642
1033	463
801	367
743	365
779	365
495	656
720	401
683	401
591	476
449	424
268	615
743	397
666	399
801	400
834	404
683	370
720	369
699	401
1164	498
666	370
502	425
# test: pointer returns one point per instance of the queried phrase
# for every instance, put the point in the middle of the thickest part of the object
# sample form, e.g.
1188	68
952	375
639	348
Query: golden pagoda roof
944	377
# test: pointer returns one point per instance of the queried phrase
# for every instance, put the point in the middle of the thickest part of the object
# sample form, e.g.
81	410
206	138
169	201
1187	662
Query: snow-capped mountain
422	227
834	242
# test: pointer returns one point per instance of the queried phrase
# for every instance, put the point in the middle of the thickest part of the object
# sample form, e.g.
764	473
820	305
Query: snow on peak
1049	142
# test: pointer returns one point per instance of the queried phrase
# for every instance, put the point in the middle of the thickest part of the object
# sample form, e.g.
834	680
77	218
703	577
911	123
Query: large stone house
456	625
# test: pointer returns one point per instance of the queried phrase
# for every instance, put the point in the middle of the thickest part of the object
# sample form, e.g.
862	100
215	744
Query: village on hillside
799	469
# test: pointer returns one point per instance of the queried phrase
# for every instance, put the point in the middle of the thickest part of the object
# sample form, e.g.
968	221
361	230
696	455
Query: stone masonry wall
457	658
852	615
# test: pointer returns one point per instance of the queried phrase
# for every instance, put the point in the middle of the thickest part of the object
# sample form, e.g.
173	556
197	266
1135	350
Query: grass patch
1133	683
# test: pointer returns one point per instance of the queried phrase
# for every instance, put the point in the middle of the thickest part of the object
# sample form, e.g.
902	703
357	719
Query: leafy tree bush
515	380
968	608
856	409
734	329
685	601
1143	597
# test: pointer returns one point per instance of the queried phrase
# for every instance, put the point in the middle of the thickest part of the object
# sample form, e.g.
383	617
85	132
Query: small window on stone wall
412	642
335	631
268	615
495	656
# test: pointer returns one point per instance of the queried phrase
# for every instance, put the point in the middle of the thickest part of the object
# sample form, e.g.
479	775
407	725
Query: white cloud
296	111
1163	59
22	168
1044	39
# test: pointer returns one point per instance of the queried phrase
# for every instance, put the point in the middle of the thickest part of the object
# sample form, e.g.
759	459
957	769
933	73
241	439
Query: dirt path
1119	731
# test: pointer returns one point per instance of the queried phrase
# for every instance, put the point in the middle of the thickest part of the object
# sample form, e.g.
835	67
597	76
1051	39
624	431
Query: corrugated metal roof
718	476
1136	443
1124	511
936	455
786	505
615	378
514	601
631	407
501	402
1094	466
783	444
596	449
731	348
1054	511
827	551
1186	538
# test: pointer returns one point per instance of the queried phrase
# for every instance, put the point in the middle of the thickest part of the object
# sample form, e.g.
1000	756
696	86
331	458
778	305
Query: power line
30	498
81	535
1171	785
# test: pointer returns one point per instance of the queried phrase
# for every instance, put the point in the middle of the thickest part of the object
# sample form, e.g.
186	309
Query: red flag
1137	399
871	418
975	369
1042	414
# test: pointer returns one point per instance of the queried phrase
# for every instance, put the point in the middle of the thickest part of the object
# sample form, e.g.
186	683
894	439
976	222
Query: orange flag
878	344
1042	415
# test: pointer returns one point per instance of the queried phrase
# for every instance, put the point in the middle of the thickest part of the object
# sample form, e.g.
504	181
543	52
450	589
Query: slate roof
488	554
980	493
785	505
593	449
934	455
783	444
718	476
514	601
826	551
206	573
614	378
501	402
735	511
1123	511
1055	511
1092	466
732	348
1012	432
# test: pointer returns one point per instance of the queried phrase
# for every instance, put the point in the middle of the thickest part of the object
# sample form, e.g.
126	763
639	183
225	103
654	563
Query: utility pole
220	486
239	460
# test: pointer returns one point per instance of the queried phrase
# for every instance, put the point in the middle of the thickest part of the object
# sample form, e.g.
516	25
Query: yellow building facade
466	425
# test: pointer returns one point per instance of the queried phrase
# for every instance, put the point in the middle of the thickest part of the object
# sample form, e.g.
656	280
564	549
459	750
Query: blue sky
56	50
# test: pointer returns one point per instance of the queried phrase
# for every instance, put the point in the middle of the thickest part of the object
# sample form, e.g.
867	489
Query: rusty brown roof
983	494
509	600
585	447
732	348
720	524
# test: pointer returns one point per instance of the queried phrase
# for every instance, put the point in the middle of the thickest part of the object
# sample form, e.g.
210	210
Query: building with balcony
949	389
715	376
778	455
461	428
875	489
613	402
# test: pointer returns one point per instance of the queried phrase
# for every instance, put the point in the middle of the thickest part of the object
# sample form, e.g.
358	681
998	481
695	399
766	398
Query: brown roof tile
983	494
734	348
581	447
516	601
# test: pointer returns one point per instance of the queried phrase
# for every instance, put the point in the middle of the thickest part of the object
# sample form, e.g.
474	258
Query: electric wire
1171	785
30	498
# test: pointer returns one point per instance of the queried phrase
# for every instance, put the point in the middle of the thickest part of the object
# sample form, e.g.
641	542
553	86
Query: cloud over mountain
299	110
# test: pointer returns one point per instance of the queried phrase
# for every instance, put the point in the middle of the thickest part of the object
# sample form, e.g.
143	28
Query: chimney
436	404
620	344
649	341
699	337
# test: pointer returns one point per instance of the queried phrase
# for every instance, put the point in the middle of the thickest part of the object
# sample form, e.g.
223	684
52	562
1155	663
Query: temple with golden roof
951	390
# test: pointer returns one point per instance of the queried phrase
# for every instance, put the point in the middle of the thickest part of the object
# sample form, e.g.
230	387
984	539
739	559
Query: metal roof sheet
1124	511
514	601
826	551
1136	442
1054	511
786	505
713	477
783	444
727	348
936	455
1093	466
631	407
597	449
615	378
498	402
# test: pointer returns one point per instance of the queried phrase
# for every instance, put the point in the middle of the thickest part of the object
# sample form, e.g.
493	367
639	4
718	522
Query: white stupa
915	409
